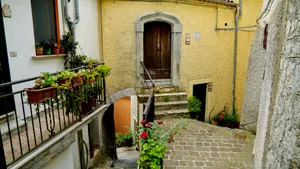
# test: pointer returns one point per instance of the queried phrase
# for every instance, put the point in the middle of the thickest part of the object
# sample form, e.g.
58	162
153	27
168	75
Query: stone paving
206	146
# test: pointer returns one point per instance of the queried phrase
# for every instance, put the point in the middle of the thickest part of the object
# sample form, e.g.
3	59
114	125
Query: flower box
39	95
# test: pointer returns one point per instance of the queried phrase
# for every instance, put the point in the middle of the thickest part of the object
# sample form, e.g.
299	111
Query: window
45	19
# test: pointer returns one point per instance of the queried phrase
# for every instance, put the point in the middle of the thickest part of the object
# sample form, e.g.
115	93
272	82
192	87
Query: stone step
173	105
162	89
3	118
13	129
164	114
164	97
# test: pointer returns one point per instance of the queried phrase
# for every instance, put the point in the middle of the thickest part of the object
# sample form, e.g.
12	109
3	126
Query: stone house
187	45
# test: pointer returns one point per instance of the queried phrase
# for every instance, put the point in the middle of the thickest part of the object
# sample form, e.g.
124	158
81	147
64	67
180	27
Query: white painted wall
64	160
19	33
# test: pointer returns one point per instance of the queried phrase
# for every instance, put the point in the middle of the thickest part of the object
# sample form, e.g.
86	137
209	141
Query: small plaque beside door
209	87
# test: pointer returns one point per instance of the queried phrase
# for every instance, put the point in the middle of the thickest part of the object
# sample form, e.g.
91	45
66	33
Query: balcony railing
149	110
28	123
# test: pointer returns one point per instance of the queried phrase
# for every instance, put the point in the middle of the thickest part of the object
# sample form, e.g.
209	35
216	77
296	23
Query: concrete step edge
170	103
164	94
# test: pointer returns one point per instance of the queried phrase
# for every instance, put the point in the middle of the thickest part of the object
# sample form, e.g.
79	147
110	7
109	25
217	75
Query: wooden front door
157	49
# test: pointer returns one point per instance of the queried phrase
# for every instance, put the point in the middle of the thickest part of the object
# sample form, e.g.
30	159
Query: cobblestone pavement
206	146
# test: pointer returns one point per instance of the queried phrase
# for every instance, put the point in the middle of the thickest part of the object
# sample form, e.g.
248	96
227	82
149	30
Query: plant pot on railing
39	95
93	101
85	108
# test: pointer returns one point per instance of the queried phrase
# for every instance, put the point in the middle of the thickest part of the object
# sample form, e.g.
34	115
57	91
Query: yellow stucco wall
209	58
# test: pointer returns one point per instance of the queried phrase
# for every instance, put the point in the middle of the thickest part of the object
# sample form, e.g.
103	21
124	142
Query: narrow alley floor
206	146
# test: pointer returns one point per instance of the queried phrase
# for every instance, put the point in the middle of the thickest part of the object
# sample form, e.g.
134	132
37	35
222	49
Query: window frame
56	21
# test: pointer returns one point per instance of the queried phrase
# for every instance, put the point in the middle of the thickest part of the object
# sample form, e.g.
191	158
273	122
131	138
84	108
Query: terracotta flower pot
39	51
55	50
39	95
61	50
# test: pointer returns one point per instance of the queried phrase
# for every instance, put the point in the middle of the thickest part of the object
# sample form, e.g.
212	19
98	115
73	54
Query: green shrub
124	140
194	105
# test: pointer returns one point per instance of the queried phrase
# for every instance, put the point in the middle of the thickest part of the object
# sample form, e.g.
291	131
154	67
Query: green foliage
154	146
48	43
103	70
70	49
194	104
68	44
45	80
38	45
166	99
224	117
123	140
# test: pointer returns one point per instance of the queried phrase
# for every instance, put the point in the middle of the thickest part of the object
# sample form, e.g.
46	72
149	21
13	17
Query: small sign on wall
6	10
196	35
187	39
209	87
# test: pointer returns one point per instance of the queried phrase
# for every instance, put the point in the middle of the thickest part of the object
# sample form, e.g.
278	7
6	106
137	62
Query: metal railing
27	125
149	110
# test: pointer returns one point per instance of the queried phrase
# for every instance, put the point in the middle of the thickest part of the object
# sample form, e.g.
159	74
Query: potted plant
56	48
103	70
68	79
45	88
154	140
194	105
39	49
48	44
226	119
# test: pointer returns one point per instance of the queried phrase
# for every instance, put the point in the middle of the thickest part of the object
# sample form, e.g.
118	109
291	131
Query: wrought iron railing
27	123
149	110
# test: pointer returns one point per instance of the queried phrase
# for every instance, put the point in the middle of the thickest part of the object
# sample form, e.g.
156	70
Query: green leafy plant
103	70
38	45
194	105
166	99
225	118
70	49
154	140
45	80
124	140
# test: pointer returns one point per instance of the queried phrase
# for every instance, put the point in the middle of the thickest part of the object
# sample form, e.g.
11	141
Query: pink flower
144	122
144	135
148	125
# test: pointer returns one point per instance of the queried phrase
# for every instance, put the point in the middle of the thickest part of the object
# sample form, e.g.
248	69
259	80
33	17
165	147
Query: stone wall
254	81
284	146
277	144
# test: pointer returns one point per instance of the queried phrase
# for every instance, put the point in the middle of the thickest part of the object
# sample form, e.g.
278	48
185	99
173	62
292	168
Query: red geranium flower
148	125
221	117
144	122
144	135
159	122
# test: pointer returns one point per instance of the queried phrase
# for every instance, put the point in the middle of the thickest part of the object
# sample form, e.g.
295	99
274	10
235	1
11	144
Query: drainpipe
235	56
241	8
101	27
72	24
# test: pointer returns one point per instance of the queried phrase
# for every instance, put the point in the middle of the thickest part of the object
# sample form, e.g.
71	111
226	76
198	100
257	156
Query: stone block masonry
206	146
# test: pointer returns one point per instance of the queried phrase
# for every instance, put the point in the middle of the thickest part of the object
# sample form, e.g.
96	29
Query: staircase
169	102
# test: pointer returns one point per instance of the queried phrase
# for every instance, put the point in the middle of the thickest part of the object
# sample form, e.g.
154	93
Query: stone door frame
176	31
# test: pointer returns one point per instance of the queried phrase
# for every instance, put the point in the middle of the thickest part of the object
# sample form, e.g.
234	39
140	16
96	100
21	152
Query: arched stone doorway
175	48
